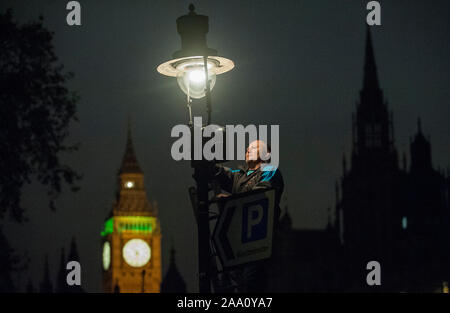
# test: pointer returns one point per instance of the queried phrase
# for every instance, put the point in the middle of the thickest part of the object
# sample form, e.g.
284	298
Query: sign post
243	232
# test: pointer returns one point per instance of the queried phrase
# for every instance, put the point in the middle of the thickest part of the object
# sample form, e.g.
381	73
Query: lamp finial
191	9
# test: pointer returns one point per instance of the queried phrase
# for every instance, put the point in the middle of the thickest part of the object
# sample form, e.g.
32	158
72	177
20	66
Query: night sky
298	64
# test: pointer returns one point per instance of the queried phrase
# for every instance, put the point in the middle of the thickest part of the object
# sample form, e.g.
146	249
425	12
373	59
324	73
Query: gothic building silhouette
396	215
60	286
173	281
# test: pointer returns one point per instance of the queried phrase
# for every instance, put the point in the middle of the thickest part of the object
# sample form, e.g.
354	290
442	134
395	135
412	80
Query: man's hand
222	195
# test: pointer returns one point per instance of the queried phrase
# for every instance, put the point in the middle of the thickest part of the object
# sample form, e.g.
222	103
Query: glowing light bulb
197	76
191	77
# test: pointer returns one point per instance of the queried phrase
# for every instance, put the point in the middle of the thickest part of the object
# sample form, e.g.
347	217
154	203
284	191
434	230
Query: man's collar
245	167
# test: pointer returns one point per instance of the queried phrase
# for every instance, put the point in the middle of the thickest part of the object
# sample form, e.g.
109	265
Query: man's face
253	153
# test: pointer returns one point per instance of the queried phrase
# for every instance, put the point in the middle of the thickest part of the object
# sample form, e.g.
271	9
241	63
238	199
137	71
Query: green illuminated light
129	223
108	227
140	227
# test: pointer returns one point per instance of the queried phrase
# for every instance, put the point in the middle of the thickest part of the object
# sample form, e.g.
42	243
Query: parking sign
243	232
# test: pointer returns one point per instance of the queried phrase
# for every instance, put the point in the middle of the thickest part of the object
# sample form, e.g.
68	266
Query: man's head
257	152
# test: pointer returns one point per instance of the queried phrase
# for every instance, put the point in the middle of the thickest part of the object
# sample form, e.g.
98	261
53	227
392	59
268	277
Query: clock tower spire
129	162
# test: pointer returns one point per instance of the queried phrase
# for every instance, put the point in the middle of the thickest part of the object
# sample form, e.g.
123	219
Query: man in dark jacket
255	175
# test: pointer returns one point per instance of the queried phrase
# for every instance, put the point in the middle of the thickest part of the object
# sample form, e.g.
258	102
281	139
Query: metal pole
204	249
201	174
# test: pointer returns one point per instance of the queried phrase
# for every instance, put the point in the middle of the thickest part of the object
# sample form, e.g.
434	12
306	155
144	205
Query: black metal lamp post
196	66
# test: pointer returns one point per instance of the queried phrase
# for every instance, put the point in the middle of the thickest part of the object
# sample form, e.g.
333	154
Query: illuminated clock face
129	184
136	252
106	255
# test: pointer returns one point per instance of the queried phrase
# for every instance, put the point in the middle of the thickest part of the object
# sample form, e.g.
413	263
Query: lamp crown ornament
193	29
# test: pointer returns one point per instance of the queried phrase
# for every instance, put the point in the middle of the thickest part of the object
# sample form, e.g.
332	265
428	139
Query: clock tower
131	236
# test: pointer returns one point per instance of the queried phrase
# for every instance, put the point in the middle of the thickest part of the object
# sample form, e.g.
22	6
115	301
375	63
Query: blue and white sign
243	232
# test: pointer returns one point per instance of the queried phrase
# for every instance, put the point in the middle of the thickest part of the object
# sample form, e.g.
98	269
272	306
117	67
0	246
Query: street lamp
196	67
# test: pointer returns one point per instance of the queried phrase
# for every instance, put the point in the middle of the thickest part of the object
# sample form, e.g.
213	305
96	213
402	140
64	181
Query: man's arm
225	177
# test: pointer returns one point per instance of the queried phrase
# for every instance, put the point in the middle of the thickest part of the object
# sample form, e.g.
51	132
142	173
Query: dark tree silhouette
7	259
46	284
29	288
61	284
35	111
